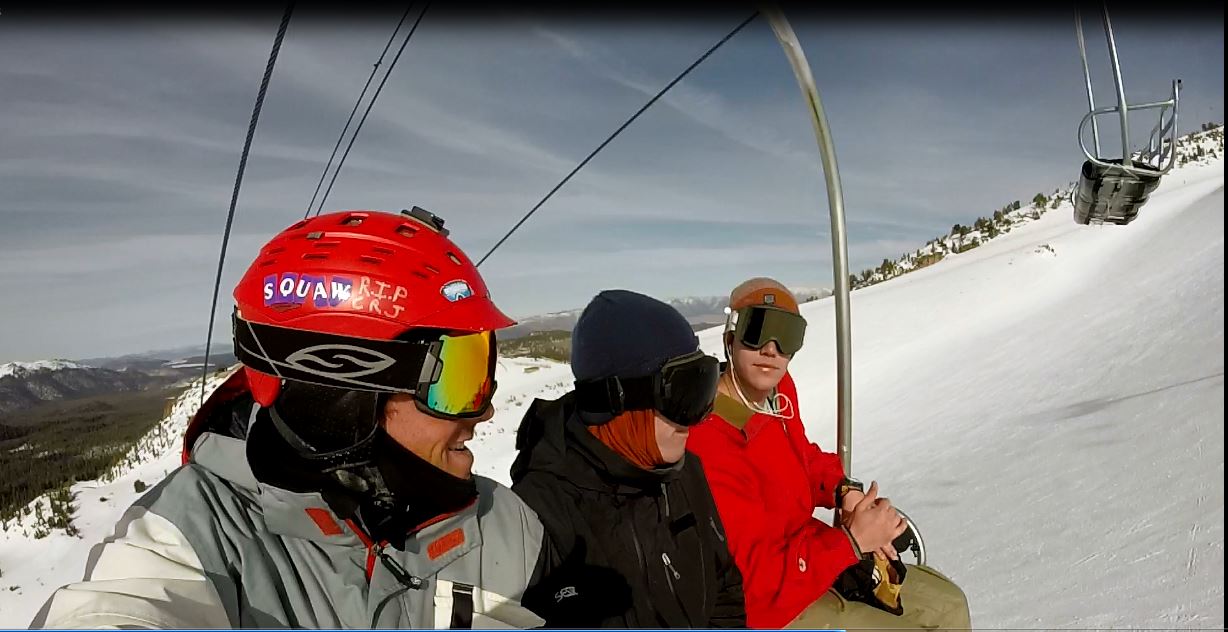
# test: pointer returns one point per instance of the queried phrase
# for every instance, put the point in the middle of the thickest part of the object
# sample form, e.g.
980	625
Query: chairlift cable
234	198
618	131
370	104
354	111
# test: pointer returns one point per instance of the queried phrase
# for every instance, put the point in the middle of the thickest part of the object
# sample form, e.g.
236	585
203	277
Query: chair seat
1109	194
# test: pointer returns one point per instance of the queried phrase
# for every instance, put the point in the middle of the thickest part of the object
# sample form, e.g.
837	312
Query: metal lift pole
839	239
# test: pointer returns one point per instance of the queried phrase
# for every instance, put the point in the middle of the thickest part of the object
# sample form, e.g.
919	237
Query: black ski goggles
758	325
682	390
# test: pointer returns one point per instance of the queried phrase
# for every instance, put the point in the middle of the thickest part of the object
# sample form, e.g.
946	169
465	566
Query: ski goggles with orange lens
758	325
458	376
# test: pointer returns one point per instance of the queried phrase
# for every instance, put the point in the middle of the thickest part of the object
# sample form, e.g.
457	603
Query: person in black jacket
634	538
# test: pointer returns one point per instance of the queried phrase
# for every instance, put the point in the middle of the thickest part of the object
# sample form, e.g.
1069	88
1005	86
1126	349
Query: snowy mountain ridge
27	384
22	369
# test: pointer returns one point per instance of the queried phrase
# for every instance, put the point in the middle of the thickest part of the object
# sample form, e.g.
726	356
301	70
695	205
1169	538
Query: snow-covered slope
32	566
1049	407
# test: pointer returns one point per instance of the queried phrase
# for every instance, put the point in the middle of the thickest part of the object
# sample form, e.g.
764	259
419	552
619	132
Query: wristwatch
843	488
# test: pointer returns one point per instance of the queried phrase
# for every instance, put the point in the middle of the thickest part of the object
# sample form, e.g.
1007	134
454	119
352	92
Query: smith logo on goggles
758	325
449	376
683	390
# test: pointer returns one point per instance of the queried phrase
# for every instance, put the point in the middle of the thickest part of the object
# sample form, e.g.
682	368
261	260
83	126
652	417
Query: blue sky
119	141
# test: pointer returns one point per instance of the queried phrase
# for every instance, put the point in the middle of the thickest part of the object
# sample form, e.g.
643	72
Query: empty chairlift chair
1114	189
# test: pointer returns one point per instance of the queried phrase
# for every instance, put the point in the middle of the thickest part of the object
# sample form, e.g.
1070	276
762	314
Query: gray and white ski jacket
211	547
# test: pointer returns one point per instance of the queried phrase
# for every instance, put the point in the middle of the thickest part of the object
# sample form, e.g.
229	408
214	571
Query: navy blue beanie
626	334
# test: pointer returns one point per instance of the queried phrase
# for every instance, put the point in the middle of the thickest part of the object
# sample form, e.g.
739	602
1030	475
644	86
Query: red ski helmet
331	299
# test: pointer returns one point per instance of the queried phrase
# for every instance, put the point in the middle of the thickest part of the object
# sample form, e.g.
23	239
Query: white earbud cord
777	402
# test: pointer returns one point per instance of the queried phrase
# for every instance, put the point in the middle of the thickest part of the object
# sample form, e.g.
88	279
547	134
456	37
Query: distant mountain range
701	311
25	384
169	361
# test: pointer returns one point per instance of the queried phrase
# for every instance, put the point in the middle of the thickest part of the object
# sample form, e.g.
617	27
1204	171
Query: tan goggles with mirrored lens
758	325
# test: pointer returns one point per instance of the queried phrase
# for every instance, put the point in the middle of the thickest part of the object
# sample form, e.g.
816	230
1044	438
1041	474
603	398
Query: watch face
851	483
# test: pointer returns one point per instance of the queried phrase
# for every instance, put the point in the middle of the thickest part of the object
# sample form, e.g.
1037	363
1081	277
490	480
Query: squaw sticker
456	290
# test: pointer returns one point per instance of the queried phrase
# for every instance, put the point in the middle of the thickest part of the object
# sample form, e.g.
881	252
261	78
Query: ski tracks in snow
1193	558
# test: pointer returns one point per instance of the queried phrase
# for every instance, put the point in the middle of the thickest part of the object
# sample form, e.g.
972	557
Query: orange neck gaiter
633	436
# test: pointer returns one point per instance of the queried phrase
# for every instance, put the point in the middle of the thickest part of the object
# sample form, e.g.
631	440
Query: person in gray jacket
326	483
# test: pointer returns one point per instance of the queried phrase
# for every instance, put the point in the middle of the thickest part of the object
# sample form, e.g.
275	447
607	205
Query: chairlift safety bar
1161	143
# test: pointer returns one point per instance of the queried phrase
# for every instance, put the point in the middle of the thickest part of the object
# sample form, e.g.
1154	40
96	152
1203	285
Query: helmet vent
455	259
315	256
315	235
420	275
301	223
406	230
353	219
328	244
268	262
370	259
430	268
274	251
380	250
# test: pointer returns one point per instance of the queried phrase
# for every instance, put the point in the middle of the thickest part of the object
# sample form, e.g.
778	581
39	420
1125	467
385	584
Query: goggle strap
616	395
386	366
290	436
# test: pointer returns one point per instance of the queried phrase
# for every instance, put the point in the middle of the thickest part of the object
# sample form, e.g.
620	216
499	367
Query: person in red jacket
767	479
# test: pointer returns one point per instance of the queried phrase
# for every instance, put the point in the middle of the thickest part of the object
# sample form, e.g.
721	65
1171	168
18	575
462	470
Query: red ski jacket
767	478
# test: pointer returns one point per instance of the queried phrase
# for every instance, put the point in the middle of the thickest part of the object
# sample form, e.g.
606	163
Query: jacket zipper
375	550
403	576
671	575
720	536
407	580
639	551
669	567
639	555
672	571
793	450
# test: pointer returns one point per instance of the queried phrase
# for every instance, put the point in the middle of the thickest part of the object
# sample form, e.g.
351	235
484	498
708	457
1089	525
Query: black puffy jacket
627	547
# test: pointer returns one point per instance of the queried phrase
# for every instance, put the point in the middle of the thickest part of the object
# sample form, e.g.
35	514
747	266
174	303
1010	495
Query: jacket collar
552	438
737	419
307	516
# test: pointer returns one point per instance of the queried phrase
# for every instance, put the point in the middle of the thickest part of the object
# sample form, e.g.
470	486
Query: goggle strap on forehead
616	395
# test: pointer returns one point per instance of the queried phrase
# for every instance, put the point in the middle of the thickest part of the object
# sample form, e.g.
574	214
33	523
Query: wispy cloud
704	107
119	146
